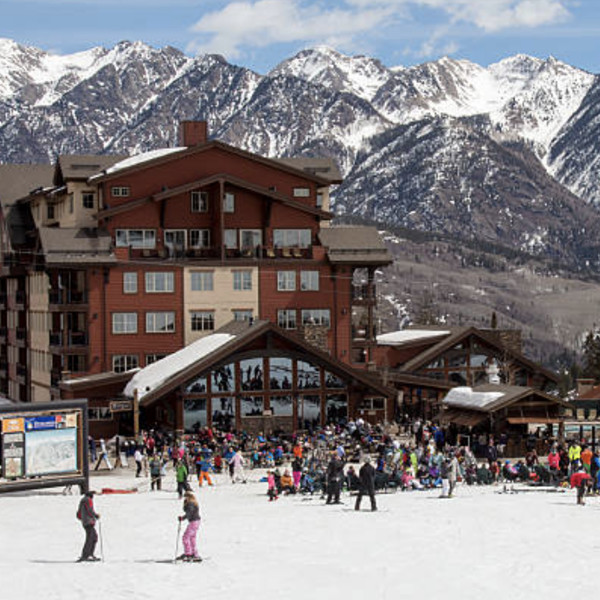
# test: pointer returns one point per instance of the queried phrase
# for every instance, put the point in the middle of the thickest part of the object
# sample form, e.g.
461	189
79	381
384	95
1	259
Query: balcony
72	299
71	342
214	254
20	297
363	294
21	334
22	372
3	335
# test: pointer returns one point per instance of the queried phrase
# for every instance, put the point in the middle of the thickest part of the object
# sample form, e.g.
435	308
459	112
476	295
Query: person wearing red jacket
580	480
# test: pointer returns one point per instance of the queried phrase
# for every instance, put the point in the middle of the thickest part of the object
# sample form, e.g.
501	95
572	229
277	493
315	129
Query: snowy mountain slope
573	157
427	146
445	175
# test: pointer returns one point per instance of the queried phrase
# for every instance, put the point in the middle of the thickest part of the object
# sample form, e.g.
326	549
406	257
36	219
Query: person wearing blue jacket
205	468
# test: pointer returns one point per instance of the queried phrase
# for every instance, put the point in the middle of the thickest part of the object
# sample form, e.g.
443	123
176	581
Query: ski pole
177	540
101	541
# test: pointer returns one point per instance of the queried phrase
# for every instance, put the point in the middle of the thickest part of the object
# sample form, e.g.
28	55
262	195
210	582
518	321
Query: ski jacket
182	473
86	513
553	460
367	478
191	510
574	452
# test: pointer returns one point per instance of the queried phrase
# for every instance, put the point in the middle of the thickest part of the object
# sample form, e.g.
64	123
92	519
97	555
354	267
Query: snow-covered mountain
507	153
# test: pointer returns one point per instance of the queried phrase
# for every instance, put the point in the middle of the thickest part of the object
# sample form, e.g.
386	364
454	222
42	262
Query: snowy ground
479	544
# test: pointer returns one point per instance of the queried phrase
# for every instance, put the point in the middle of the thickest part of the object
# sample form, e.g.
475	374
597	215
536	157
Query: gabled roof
591	394
409	337
166	375
354	244
490	398
323	167
102	175
224	177
458	336
18	181
68	245
83	166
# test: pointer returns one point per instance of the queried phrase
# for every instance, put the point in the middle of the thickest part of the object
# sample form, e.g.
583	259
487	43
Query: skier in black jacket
88	516
366	476
335	473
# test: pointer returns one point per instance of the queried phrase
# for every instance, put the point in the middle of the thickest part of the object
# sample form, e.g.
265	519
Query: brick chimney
192	133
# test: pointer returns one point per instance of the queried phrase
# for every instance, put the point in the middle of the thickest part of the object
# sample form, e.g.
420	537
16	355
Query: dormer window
301	192
199	202
120	191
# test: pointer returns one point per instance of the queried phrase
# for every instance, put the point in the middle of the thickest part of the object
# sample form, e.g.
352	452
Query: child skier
191	511
271	487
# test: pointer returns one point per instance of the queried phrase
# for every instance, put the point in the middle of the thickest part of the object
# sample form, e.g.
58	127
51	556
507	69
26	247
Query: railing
21	334
21	370
20	297
67	297
214	253
74	338
364	292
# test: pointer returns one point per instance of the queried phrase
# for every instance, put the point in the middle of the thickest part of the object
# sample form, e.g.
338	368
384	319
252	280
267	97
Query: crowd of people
357	458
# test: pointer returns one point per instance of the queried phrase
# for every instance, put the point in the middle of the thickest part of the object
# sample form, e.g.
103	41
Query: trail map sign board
43	445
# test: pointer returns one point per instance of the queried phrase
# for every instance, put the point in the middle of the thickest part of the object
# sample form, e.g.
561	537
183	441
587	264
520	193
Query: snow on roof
465	397
154	375
396	338
139	159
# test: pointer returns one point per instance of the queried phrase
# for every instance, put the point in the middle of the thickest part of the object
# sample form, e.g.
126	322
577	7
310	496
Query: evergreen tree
591	356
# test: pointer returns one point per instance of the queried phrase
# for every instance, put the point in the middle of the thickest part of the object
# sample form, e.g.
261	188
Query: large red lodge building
113	264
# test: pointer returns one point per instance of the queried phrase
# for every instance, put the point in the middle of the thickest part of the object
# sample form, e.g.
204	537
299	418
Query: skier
181	476
103	456
205	467
236	463
335	470
444	474
271	487
367	484
192	514
88	516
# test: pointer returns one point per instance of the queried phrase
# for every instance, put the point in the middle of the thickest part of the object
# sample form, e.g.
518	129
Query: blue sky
260	33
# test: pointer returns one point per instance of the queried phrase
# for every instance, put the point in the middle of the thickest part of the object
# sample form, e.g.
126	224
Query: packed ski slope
480	544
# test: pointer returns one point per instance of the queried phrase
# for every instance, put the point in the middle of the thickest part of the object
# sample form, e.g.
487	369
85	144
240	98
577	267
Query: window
175	239
231	238
120	191
130	283
71	203
320	197
199	202
99	413
242	280
286	318
202	320
152	358
136	238
309	281
87	199
124	322
250	238
124	362
229	202
301	192
285	238
160	322
200	238
242	315
160	282
50	211
201	281
286	281
316	316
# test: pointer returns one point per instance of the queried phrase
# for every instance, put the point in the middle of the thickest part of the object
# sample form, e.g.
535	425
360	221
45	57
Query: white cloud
247	24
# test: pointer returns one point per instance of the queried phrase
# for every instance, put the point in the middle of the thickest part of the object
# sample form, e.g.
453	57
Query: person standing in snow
335	471
366	476
236	463
88	517
138	457
191	511
181	475
453	470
